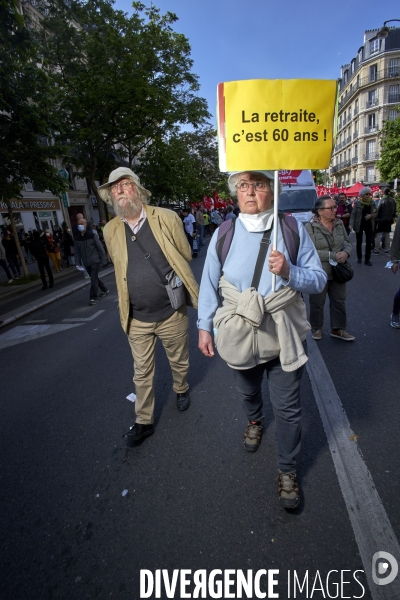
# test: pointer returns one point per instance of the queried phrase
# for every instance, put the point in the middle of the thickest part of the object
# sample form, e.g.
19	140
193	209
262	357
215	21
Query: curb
30	308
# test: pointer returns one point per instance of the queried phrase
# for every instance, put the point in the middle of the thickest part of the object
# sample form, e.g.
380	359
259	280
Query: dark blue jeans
284	391
93	271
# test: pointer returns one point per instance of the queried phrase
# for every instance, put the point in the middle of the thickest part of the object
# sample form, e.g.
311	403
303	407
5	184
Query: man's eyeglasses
258	186
329	208
125	185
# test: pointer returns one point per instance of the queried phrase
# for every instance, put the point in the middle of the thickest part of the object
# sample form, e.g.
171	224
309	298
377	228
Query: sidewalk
17	301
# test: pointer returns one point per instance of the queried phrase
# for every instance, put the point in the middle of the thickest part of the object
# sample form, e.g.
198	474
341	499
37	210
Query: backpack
290	232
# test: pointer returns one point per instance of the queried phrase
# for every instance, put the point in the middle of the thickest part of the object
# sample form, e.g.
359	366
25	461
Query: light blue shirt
307	276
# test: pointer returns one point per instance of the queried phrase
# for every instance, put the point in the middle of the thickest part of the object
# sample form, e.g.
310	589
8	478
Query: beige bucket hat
120	173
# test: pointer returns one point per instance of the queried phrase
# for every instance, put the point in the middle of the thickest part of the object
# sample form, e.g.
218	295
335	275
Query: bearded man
146	244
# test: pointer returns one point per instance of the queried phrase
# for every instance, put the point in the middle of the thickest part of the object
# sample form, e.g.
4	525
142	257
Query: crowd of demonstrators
250	308
332	242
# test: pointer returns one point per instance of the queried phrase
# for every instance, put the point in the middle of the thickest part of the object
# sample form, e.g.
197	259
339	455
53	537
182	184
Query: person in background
11	251
199	216
68	244
344	210
38	250
384	221
395	256
207	224
53	250
229	213
362	221
330	238
3	263
90	253
189	223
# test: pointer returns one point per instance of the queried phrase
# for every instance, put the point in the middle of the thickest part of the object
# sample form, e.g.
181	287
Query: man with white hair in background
151	255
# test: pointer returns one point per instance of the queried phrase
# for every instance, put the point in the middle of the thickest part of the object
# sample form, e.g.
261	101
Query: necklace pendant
133	238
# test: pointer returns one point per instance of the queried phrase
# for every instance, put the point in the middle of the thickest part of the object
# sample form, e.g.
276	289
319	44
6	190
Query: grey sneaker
395	321
252	436
289	494
316	334
341	334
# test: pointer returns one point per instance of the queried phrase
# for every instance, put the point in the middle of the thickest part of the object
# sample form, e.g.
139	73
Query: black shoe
44	287
359	261
138	432
289	494
183	401
102	294
368	263
51	285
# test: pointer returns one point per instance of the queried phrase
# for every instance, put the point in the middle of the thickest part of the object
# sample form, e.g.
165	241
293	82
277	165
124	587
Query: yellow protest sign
276	124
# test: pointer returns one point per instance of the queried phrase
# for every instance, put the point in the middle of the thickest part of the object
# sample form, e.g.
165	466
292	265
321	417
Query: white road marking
25	333
372	529
35	322
72	320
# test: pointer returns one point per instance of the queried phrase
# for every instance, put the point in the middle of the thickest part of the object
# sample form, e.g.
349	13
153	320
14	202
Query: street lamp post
384	31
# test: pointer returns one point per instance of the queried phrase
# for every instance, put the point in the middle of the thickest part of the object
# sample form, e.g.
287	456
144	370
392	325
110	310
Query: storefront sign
276	124
30	205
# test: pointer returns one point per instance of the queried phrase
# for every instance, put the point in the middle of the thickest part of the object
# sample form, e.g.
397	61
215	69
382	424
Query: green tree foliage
27	118
122	81
389	164
183	167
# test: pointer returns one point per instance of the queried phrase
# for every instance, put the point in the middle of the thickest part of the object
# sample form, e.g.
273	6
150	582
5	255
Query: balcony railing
394	98
371	103
371	156
335	168
355	135
390	73
371	129
354	160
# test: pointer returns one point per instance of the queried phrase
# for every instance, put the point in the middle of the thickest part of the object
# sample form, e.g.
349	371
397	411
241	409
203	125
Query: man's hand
341	257
206	343
395	267
368	217
278	264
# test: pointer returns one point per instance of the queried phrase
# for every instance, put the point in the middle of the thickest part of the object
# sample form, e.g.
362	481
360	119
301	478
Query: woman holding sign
257	330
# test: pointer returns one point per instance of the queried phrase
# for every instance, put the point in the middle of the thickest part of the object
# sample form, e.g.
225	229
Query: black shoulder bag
342	272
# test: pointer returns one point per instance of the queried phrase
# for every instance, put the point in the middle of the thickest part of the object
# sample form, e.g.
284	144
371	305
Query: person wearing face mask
89	252
258	331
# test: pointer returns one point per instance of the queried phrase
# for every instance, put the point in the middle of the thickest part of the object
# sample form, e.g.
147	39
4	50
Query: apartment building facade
369	90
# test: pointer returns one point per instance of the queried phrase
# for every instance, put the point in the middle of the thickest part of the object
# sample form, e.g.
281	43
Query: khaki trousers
173	333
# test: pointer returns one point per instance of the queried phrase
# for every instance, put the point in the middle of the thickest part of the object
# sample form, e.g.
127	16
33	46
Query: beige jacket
250	329
167	229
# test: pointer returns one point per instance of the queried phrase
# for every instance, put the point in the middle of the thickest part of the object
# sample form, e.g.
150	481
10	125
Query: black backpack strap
291	237
261	258
224	239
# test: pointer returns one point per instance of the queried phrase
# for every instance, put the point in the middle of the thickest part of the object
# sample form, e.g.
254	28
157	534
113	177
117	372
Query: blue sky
272	39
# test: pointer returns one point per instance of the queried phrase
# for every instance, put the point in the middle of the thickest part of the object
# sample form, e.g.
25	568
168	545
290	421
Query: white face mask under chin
259	222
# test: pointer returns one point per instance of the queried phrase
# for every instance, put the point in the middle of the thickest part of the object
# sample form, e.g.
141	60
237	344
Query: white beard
127	211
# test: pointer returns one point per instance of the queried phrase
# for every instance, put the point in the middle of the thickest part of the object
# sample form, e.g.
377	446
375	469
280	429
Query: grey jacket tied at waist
250	329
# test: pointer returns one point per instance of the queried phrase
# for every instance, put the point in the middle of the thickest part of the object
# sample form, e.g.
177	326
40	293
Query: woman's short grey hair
364	191
233	181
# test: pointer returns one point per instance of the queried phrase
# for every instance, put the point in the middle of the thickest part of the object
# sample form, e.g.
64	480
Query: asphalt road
196	499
